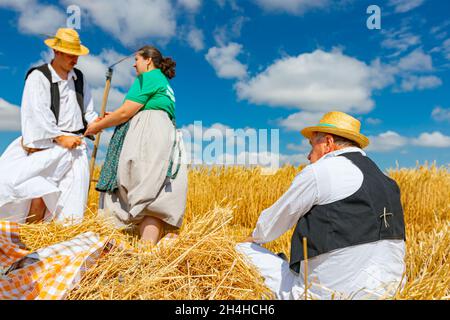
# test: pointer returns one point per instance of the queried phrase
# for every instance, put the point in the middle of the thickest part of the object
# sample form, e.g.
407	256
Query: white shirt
330	179
38	121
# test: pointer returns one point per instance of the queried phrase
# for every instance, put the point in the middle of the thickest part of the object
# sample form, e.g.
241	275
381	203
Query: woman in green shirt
143	181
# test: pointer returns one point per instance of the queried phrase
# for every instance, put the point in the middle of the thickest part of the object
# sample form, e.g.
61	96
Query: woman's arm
127	110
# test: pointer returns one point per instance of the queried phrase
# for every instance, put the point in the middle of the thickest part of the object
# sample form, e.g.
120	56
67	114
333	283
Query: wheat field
222	208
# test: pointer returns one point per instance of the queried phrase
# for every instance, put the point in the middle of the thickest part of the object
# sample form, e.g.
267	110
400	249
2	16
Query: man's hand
68	142
249	239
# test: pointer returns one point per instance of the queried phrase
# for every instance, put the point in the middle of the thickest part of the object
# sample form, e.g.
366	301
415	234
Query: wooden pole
305	264
102	114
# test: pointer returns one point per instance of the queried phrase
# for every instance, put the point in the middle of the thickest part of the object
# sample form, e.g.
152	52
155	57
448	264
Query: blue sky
261	64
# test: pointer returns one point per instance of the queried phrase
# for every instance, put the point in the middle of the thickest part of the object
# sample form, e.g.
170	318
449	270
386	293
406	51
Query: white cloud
400	40
297	7
300	120
9	116
409	68
390	140
304	146
386	141
440	31
434	140
267	160
230	31
221	144
191	5
46	57
131	21
233	4
115	98
200	133
225	63
412	83
196	39
41	20
405	5
94	68
416	61
317	82
441	114
409	71
14	4
294	159
35	18
382	75
373	121
444	48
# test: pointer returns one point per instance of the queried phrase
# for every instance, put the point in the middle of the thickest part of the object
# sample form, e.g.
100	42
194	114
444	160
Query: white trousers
368	271
278	277
58	175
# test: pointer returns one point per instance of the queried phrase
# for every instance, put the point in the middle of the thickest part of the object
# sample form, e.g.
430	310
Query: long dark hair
165	64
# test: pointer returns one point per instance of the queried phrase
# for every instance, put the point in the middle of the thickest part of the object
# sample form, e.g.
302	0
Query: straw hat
340	124
68	41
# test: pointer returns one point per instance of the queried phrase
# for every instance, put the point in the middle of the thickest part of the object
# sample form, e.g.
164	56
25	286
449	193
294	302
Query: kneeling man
44	174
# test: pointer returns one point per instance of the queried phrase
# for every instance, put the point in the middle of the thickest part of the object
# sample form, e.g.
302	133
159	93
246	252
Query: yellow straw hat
340	124
68	41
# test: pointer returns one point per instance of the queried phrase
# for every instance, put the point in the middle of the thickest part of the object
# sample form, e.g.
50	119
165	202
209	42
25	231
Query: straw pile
202	262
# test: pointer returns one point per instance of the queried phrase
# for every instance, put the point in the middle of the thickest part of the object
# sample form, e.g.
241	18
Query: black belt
81	131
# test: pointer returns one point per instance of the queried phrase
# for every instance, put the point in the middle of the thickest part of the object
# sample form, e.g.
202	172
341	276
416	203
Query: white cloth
362	271
60	176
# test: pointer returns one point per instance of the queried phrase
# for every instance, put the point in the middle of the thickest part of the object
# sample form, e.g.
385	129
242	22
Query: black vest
54	93
357	219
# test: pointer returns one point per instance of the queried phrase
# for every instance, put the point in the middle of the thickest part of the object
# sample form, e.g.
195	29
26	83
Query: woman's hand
111	119
101	118
93	128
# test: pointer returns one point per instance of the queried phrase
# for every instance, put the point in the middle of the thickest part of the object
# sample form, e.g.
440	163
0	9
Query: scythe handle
102	114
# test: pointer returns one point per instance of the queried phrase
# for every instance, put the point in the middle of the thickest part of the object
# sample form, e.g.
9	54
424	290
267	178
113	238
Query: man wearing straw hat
44	173
350	214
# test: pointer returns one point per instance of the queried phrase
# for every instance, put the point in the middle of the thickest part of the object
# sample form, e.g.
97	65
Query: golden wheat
222	208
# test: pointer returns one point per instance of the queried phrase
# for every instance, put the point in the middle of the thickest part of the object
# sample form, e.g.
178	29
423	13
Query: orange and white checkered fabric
11	249
47	273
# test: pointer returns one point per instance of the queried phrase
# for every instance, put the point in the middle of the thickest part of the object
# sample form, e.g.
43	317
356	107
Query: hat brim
360	139
83	50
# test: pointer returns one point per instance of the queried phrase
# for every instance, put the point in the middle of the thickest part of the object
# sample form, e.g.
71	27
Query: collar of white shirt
57	78
341	151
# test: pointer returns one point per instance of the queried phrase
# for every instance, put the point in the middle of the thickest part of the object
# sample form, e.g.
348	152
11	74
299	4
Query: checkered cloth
51	272
47	273
10	247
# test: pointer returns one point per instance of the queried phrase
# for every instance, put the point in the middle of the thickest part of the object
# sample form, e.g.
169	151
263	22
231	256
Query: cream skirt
143	186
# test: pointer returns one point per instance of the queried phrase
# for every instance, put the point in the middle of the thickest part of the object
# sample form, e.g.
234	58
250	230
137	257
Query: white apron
60	176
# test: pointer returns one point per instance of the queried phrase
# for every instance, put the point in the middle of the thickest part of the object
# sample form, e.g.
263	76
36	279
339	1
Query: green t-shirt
152	89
